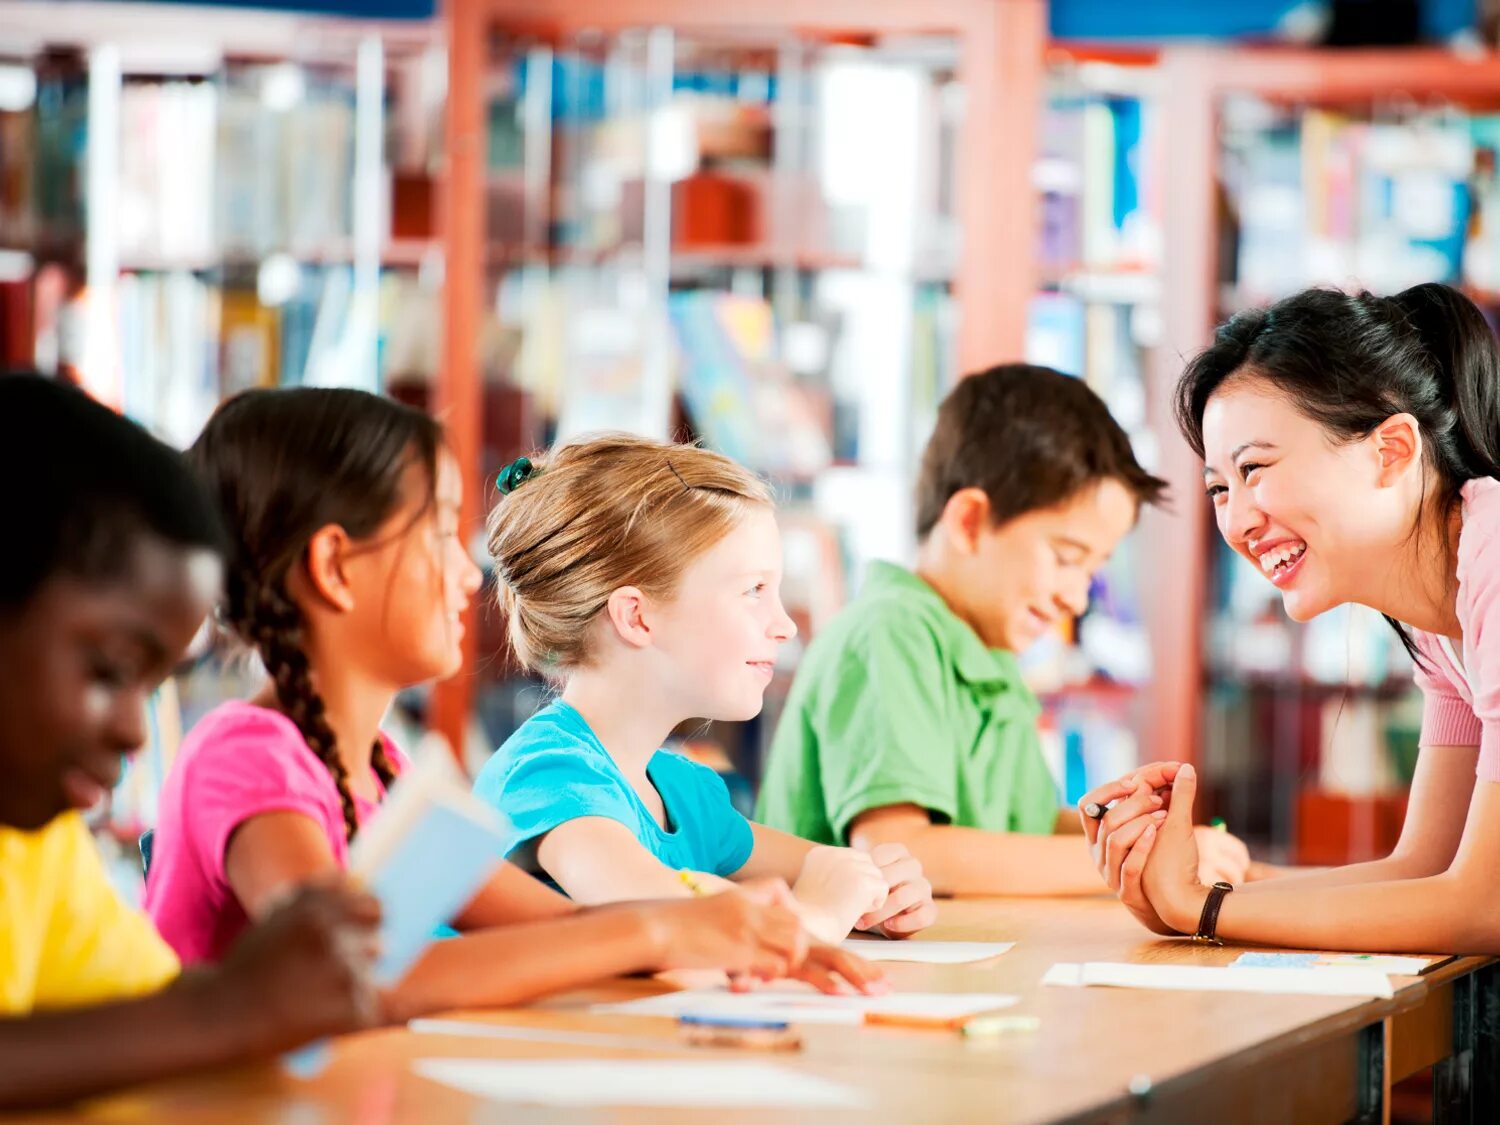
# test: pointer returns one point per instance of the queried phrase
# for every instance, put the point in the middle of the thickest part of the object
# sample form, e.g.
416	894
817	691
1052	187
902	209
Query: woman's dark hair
1350	361
83	484
1030	437
283	464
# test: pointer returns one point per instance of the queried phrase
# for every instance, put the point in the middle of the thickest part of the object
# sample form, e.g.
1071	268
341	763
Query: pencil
928	1023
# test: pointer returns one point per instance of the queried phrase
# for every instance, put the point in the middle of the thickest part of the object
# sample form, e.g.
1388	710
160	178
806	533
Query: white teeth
1282	555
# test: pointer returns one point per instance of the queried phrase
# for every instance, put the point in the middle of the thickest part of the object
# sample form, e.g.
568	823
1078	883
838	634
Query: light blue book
425	856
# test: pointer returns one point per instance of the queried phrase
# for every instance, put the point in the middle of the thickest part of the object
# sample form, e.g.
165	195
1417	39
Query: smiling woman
1352	449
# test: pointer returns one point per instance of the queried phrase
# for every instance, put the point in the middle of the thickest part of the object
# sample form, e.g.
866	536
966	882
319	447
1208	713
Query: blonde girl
643	579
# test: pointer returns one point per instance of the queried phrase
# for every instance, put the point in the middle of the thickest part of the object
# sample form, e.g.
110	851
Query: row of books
1385	201
42	163
208	171
1096	175
186	341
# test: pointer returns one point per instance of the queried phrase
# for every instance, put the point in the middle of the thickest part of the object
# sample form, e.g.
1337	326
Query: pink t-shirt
1461	688
237	762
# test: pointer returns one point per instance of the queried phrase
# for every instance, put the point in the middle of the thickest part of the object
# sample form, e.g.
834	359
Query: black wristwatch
1208	921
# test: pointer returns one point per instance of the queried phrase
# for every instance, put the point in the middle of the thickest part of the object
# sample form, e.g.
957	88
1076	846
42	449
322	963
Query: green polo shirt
898	701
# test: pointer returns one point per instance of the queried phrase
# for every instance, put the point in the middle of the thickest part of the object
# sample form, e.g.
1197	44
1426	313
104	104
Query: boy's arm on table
300	975
973	861
62	1056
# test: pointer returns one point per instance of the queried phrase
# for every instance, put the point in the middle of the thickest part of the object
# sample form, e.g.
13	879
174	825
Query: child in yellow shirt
111	564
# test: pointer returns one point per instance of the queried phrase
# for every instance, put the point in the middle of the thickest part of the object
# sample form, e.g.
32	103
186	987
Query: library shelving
195	200
1096	315
782	229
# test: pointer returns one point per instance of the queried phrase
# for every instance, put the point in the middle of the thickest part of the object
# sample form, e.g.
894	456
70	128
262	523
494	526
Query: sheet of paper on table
639	1082
927	952
1212	978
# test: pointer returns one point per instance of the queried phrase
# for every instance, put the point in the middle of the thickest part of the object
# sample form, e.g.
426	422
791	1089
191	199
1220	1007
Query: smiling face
1032	571
1318	518
716	638
81	659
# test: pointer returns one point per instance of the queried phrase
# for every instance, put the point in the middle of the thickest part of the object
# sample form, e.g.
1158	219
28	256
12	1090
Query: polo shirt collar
994	669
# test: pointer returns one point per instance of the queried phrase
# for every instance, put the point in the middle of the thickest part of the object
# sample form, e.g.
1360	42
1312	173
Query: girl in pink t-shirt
349	577
1351	446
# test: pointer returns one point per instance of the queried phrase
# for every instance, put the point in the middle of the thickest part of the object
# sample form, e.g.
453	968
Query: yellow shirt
66	938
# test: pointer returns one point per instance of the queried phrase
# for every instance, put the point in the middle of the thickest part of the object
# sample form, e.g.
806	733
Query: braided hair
285	463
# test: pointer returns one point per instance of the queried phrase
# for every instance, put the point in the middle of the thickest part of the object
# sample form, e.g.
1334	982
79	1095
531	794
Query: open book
425	855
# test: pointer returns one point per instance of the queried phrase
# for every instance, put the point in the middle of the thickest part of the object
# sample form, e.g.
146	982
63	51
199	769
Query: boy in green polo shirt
909	720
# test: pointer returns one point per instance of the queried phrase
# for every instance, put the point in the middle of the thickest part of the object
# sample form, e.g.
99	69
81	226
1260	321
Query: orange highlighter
921	1022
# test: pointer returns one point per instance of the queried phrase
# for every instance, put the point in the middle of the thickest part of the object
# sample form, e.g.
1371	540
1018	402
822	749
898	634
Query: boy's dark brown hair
1030	437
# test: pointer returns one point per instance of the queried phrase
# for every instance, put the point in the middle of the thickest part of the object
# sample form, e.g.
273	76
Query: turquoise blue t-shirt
554	769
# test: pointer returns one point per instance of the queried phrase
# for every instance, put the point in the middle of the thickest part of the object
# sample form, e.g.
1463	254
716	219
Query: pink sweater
1461	699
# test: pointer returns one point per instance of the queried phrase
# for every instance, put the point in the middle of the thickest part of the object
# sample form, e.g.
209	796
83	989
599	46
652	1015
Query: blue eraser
309	1061
739	1023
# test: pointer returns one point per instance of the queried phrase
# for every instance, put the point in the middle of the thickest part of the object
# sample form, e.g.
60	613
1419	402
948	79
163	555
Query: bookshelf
193	201
1290	168
665	172
1096	314
197	200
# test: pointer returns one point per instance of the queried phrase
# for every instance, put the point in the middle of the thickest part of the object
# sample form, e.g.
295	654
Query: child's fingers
898	901
912	919
770	967
884	854
863	975
1118	846
769	891
783	935
819	977
902	869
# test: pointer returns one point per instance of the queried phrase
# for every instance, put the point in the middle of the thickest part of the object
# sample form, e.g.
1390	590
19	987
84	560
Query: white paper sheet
927	952
1209	978
796	1003
603	1082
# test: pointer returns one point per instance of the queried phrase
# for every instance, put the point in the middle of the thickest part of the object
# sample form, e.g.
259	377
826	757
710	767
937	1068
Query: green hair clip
514	475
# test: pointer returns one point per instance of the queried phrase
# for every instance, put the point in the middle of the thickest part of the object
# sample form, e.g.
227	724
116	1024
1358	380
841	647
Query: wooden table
1099	1054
